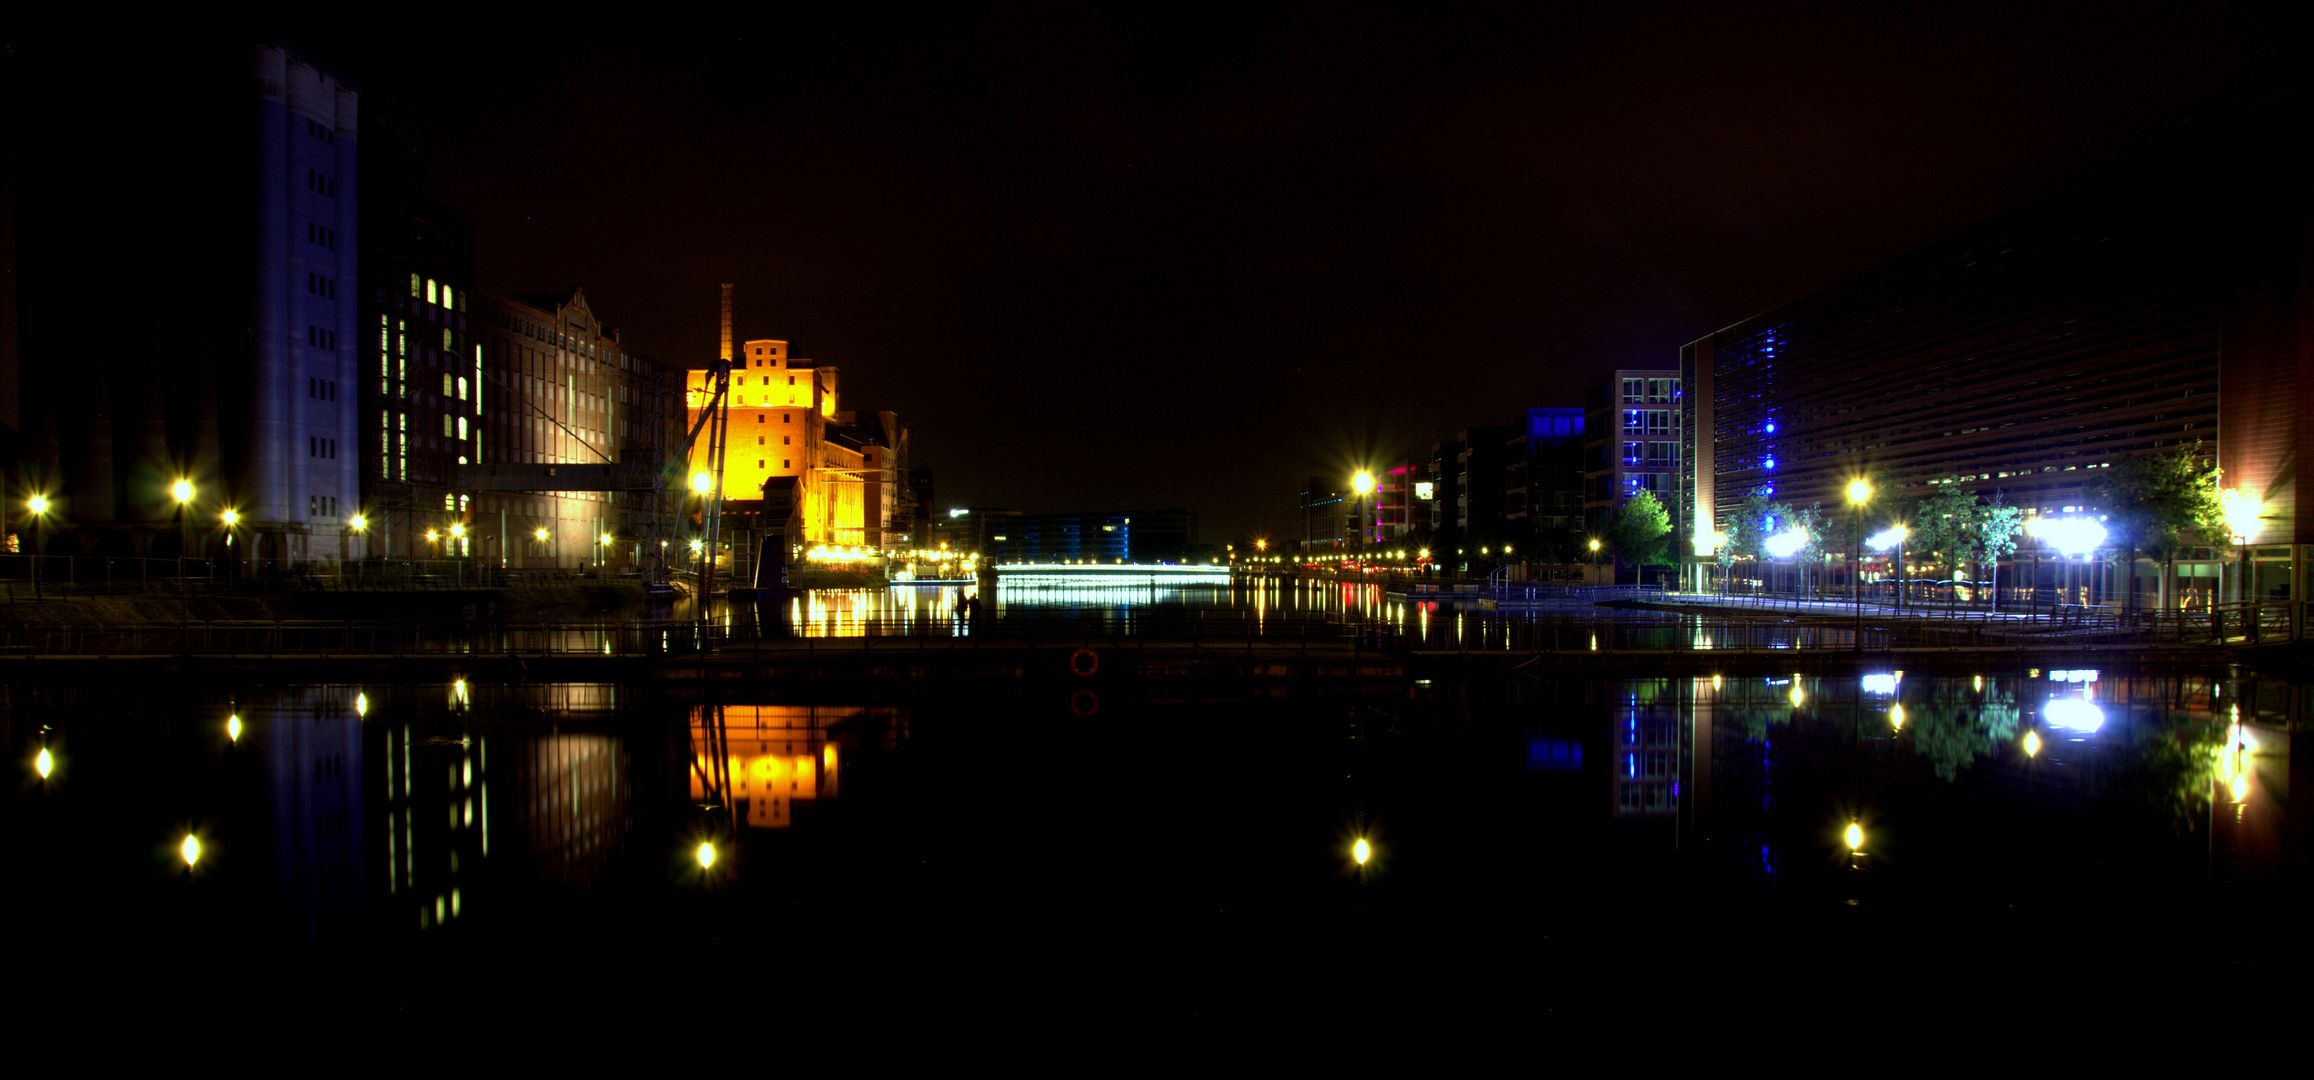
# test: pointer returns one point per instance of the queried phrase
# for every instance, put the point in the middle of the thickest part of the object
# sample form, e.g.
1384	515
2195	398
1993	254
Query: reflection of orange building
778	755
817	474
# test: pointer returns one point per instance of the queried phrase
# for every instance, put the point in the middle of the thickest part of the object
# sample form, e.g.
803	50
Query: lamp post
1859	493
38	504
231	518
183	490
539	534
357	525
1363	484
1594	560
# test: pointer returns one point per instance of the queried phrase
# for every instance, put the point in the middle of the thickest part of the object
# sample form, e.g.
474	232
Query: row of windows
320	389
321	338
318	447
320	286
1647	422
1652	453
321	506
321	185
437	293
322	235
782	440
1650	391
323	132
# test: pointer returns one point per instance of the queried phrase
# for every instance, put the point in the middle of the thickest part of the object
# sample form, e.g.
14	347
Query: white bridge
1110	573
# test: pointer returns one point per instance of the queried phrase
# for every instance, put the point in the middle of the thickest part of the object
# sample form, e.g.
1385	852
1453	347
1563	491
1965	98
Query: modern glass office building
2162	303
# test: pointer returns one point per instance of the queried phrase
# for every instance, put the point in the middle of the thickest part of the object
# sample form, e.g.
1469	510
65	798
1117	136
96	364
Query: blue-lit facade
2155	307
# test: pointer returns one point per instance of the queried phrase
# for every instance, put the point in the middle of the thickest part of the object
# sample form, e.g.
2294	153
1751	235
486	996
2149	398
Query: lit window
413	284
432	294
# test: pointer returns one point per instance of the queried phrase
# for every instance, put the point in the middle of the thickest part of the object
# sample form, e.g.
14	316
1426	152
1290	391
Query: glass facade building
2160	304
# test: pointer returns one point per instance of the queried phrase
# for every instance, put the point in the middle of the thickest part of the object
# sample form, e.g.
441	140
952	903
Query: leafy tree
1940	522
2152	499
1636	532
1994	526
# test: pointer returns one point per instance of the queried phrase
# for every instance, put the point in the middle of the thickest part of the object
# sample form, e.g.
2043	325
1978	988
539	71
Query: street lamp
1363	484
38	504
231	518
1893	537
1859	493
1594	560
183	490
357	525
2241	511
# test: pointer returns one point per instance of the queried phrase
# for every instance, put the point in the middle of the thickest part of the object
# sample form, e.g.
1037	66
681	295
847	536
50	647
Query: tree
1992	531
1746	530
1808	522
1940	522
2150	499
1636	532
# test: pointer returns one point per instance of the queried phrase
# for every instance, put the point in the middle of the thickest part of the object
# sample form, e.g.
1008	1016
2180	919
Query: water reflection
436	812
775	756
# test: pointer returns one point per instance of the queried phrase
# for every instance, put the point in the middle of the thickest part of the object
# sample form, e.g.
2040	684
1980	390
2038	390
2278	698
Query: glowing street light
705	855
44	764
538	534
233	727
1859	493
1854	836
359	523
38	504
190	850
2032	744
702	483
1361	851
183	490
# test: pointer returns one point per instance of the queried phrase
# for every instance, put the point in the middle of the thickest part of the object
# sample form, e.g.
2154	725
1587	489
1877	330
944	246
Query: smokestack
726	322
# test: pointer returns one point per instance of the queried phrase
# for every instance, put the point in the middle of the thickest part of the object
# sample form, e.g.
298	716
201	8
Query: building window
783	463
1632	392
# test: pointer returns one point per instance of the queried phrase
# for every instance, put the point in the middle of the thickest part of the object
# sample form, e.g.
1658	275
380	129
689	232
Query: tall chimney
726	322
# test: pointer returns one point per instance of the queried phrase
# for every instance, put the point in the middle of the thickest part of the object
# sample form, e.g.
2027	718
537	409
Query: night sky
1191	256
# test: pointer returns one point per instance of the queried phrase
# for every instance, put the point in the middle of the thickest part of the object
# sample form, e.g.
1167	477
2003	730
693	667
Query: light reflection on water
444	807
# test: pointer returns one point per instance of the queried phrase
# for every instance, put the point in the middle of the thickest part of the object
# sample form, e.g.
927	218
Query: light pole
232	559
1363	484
38	504
1859	493
1594	560
359	525
183	490
539	535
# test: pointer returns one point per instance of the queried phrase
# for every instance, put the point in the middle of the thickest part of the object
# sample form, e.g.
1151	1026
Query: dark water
1543	850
